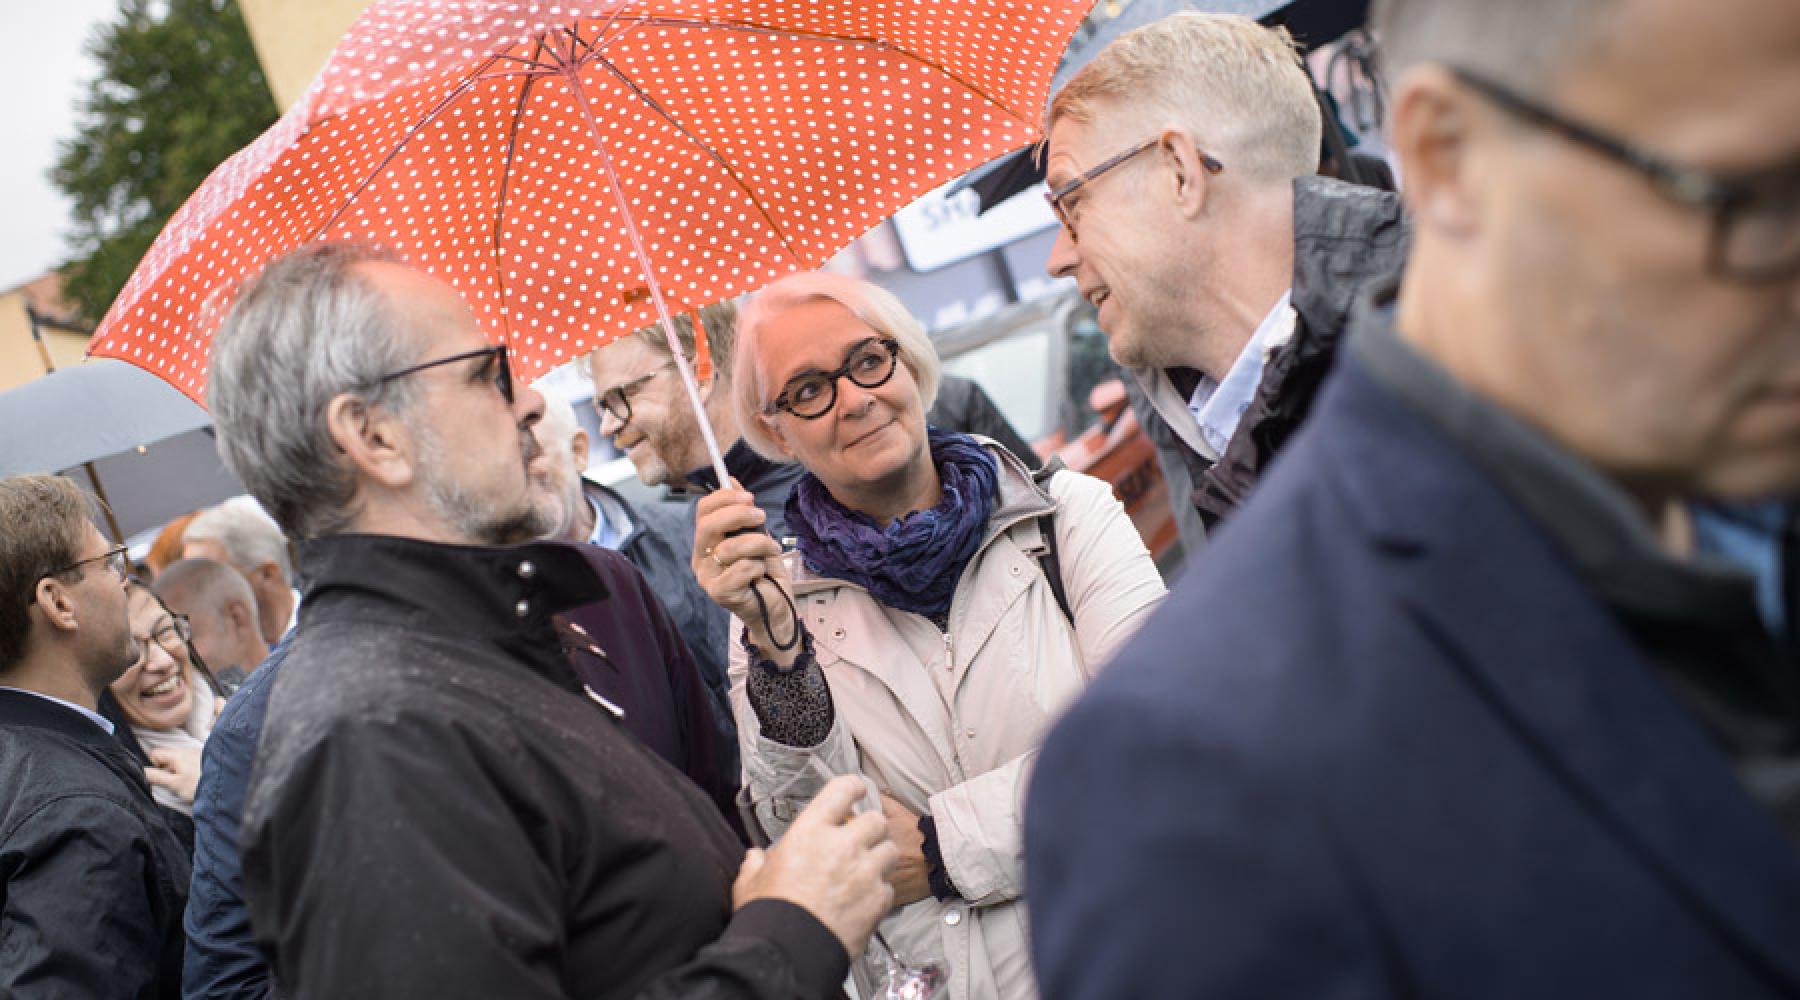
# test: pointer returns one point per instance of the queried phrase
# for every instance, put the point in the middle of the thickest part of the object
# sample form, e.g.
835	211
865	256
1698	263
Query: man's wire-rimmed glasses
1755	217
116	559
811	394
1065	209
617	400
496	362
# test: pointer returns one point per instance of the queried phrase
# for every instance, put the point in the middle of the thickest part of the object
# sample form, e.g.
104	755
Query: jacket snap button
971	734
837	633
1015	571
527	570
522	608
953	918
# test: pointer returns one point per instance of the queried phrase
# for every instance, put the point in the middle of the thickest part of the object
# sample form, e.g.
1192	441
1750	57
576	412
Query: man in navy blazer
1444	712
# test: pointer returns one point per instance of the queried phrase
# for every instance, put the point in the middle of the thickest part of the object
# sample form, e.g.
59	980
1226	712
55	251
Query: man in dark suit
92	879
1444	713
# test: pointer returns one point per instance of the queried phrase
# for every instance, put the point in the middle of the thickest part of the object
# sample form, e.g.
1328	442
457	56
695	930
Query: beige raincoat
949	724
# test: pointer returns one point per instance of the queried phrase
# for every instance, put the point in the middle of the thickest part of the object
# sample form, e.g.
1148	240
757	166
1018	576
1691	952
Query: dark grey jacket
964	406
439	808
1345	237
92	878
661	545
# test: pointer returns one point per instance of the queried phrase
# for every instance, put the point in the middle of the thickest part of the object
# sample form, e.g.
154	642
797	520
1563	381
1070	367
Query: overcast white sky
45	70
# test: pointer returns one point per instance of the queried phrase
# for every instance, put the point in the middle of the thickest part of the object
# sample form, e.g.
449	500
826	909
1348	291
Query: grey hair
249	536
1524	43
1236	86
871	303
309	328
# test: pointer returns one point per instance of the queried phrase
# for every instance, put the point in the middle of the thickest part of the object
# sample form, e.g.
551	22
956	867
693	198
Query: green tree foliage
179	90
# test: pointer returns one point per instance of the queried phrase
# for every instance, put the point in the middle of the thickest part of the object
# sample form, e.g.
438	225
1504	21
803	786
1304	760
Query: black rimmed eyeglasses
1755	217
496	364
617	400
1067	210
811	394
116	559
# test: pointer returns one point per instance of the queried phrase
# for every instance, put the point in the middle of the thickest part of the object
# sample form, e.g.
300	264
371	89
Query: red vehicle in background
1045	364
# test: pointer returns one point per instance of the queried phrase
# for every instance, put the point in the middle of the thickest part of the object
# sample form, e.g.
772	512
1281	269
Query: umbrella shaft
572	72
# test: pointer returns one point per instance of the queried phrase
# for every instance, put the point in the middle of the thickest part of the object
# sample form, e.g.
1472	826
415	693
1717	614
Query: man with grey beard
439	805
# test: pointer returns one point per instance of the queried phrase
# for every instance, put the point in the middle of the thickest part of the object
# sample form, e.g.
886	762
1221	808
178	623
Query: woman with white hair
945	605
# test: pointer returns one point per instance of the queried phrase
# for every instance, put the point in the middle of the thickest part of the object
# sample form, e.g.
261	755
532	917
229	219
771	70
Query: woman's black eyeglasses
617	400
496	362
116	560
1755	218
810	395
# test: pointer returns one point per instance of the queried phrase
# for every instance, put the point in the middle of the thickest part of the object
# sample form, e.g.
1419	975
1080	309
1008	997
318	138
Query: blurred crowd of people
1483	684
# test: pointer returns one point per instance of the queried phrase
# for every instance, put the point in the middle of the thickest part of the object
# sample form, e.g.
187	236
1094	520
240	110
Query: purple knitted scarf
913	563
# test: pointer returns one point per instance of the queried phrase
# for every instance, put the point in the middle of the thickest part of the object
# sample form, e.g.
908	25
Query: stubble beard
474	517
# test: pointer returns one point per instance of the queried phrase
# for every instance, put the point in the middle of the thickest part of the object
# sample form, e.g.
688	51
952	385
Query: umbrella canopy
566	164
145	447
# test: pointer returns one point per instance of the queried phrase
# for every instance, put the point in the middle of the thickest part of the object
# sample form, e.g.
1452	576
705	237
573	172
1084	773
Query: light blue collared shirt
1217	406
609	532
99	720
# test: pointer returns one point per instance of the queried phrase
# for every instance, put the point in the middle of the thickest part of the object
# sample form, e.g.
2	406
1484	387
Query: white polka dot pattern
752	138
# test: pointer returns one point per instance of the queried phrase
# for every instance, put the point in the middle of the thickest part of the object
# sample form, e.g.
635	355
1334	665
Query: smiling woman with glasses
166	697
949	601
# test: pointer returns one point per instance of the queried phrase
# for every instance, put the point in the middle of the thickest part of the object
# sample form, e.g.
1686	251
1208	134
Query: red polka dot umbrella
579	169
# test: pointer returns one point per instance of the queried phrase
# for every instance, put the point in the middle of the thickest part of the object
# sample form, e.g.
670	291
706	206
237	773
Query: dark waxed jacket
629	653
92	878
1345	238
439	809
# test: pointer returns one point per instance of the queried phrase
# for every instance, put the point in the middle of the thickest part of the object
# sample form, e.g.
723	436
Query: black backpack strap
1047	559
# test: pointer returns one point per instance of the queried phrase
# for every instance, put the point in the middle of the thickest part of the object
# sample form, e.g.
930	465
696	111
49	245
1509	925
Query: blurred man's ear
578	450
267	571
1436	121
242	616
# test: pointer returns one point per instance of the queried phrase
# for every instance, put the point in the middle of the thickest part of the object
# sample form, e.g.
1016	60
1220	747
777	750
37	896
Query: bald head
220	606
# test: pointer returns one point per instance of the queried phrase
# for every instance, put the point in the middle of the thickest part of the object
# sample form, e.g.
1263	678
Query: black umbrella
1312	22
145	449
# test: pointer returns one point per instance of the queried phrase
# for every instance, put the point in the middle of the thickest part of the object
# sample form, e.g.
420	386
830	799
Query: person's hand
729	565
911	878
831	863
175	768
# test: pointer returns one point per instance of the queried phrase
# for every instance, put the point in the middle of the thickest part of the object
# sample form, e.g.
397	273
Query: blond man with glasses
1182	164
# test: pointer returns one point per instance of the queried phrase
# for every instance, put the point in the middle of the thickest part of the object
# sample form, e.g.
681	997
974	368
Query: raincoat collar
19	707
477	592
